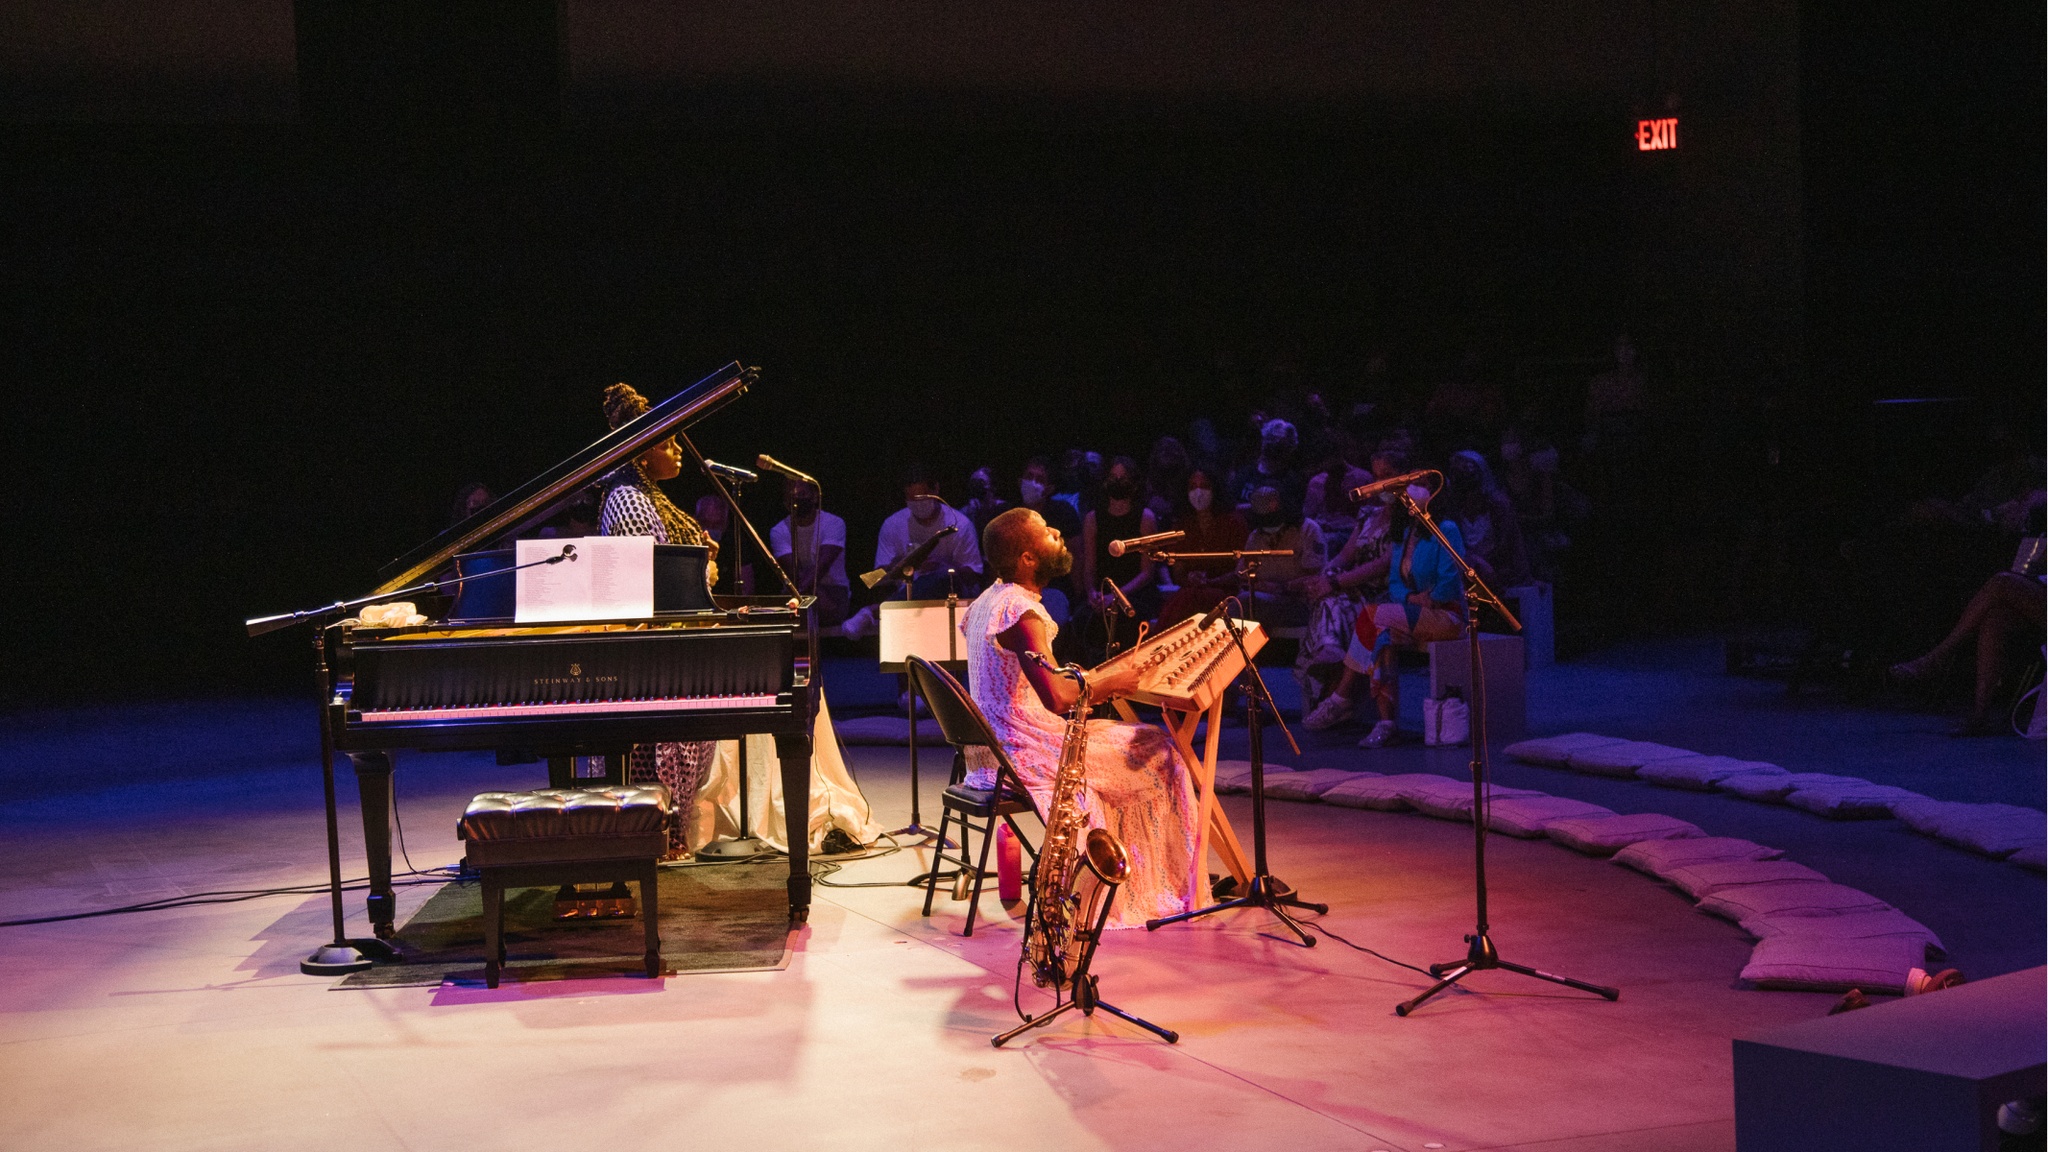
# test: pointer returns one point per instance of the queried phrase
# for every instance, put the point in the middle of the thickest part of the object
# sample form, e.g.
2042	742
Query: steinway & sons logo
575	676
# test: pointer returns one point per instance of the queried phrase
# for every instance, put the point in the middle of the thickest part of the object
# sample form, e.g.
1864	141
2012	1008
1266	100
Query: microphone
1144	543
1364	492
909	564
1213	614
729	472
1123	602
767	463
568	553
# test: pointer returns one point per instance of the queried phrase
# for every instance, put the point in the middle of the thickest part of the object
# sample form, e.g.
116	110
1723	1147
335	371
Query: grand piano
573	694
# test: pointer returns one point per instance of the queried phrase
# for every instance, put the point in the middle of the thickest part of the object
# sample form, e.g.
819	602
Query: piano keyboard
565	708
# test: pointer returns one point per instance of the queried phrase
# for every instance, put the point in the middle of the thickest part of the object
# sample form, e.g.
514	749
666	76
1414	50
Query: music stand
929	629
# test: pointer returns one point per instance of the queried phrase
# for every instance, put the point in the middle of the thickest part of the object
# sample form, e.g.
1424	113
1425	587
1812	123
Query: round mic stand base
344	957
737	848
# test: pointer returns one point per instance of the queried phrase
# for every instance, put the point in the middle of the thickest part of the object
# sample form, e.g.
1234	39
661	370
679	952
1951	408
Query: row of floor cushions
2001	831
1812	934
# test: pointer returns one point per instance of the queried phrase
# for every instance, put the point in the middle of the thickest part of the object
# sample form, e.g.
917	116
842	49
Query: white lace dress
1137	786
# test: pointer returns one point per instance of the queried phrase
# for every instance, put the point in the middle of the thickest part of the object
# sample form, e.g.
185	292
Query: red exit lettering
1657	135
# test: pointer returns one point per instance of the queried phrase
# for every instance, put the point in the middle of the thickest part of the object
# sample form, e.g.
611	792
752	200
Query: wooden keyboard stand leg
1213	822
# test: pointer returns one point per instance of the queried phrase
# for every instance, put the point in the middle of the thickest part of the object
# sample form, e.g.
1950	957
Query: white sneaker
1382	734
1334	710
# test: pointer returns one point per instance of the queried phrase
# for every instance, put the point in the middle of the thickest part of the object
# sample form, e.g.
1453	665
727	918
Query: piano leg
373	781
794	750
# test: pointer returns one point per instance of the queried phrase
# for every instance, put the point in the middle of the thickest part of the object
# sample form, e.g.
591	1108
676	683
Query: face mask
1419	493
1120	488
1268	520
1390	497
1200	498
924	507
1031	490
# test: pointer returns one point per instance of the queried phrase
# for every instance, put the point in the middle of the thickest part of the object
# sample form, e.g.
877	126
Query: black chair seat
966	728
978	799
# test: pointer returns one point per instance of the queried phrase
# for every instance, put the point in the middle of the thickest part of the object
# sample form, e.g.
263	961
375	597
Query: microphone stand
1266	890
342	955
1480	954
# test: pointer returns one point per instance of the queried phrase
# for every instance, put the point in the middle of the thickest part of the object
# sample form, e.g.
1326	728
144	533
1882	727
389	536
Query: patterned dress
1137	786
634	506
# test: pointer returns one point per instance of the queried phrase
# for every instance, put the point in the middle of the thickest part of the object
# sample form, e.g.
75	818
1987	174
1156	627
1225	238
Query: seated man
1425	601
810	544
1137	786
955	564
716	517
1280	595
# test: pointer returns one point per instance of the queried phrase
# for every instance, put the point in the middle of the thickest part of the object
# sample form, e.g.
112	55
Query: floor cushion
1457	805
1394	793
1306	785
1701	880
1660	856
1622	759
1833	964
1235	776
1606	835
1773	787
1861	800
1553	751
1527	816
1997	830
1700	773
1849	925
1788	898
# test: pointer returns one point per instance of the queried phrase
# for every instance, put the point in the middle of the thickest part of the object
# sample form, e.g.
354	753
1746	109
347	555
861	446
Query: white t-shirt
901	533
801	544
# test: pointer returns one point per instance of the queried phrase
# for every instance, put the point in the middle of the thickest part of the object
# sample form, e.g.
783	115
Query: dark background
277	279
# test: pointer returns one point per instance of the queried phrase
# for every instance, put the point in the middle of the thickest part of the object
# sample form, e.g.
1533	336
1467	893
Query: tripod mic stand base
1087	1000
737	848
920	836
1265	892
345	956
1481	956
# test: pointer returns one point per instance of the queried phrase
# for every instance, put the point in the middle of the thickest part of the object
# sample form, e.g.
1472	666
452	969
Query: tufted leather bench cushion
558	813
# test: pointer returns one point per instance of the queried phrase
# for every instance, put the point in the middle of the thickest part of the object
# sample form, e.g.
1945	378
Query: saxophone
1058	914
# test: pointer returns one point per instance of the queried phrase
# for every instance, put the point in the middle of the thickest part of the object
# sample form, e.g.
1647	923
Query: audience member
1278	585
2002	621
1328	494
1493	536
1275	465
983	504
955	564
1034	491
1166	480
470	499
1355	577
1545	505
810	544
1120	517
1424	602
716	517
1200	584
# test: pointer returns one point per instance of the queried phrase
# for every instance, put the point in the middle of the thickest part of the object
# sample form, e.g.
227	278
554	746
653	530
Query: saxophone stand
1266	890
1480	954
1085	988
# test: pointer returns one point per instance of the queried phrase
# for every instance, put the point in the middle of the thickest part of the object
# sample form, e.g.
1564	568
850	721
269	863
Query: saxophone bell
1106	857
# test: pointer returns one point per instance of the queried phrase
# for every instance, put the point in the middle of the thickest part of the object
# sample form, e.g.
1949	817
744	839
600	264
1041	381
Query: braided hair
623	404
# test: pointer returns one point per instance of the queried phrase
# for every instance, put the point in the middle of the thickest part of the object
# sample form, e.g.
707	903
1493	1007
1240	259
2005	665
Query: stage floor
192	1028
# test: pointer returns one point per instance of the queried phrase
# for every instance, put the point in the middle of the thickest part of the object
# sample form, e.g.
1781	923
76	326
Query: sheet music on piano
603	578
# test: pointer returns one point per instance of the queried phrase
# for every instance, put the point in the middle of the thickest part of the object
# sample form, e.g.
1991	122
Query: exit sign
1657	135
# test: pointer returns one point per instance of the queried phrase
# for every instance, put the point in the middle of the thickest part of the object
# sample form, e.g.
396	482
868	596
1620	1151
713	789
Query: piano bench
555	836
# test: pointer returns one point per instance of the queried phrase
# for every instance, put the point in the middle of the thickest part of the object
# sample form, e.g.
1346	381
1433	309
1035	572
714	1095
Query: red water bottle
1009	865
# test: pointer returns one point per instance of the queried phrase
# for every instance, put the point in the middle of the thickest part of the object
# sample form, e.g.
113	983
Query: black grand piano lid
679	585
527	505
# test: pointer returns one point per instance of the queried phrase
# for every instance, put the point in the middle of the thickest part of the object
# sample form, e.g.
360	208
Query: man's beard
1055	566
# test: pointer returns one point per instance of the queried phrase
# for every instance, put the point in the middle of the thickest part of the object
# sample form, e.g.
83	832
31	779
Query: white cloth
1136	787
902	532
836	800
828	531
